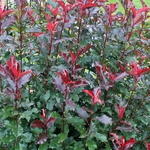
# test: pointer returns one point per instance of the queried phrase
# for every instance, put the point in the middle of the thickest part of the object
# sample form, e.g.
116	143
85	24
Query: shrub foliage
74	75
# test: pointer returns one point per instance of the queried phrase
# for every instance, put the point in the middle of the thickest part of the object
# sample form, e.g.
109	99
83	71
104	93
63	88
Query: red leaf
70	104
142	71
144	9
37	34
128	144
88	5
89	92
59	84
104	119
72	57
78	68
42	138
8	91
55	11
2	72
122	67
82	113
77	4
23	78
43	114
124	128
13	66
11	83
117	77
66	57
116	138
62	4
52	26
81	51
147	145
65	77
94	95
79	83
120	111
38	124
50	122
138	18
4	13
121	144
133	11
24	73
100	70
113	7
136	71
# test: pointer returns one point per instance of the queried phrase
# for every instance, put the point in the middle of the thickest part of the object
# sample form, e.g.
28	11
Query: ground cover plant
74	75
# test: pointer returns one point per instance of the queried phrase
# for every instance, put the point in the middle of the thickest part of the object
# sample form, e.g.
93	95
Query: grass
137	4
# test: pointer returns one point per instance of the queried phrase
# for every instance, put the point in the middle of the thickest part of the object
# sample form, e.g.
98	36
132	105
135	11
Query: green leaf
17	131
54	143
26	137
108	147
7	138
47	95
27	114
100	137
20	146
91	145
33	29
6	112
26	103
43	146
62	137
79	146
75	97
50	104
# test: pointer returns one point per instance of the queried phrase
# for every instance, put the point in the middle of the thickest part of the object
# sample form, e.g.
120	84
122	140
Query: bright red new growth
121	144
37	34
15	77
120	111
55	11
48	122
138	16
65	77
122	68
43	114
38	124
136	71
13	69
94	95
52	27
147	146
3	12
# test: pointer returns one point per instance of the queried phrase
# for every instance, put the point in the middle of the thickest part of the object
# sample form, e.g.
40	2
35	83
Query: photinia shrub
74	75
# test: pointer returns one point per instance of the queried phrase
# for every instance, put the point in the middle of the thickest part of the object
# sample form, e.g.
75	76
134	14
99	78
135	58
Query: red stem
60	36
21	35
79	30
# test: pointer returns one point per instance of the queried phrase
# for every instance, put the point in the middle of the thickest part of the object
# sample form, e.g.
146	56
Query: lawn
136	2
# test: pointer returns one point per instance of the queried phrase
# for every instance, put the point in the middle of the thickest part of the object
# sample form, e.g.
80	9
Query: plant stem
79	31
1	87
48	58
60	36
63	114
140	105
131	96
104	45
90	118
20	31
